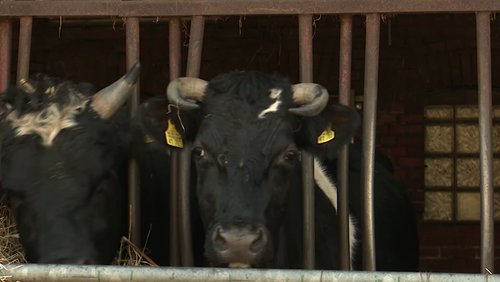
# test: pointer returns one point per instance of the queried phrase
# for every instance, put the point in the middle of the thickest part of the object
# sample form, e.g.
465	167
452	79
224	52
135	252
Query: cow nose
239	244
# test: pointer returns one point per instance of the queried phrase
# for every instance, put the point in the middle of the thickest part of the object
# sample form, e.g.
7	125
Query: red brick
416	151
411	162
386	118
416	174
405	129
397	152
430	252
460	252
412	118
436	265
400	174
442	234
411	140
465	265
382	130
387	141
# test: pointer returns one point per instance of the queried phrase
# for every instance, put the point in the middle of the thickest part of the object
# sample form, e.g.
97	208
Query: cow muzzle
239	246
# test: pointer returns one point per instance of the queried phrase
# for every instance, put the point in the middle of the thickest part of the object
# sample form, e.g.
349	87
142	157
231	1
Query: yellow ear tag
327	135
173	136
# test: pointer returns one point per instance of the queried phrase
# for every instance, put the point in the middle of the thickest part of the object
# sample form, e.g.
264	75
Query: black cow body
63	164
248	130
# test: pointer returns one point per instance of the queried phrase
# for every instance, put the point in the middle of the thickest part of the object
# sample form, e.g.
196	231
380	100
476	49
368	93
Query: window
452	169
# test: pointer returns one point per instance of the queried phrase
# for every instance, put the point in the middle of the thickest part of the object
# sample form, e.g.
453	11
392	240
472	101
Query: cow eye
199	152
291	155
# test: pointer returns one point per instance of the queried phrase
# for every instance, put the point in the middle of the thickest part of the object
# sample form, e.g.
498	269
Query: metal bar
195	46
164	8
24	49
132	57
186	249
306	75
369	121
5	55
192	70
486	156
174	61
74	273
343	176
305	48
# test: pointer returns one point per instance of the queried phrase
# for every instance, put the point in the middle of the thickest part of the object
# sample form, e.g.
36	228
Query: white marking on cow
330	189
274	94
48	122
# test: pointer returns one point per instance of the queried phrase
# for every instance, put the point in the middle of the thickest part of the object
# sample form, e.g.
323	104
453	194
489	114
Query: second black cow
64	155
247	131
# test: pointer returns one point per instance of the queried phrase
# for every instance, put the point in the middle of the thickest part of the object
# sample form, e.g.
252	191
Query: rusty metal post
5	55
369	121
132	57
24	49
192	70
343	176
174	61
306	75
486	155
195	46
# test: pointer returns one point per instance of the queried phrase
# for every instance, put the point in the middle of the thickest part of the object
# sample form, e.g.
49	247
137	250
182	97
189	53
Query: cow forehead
254	138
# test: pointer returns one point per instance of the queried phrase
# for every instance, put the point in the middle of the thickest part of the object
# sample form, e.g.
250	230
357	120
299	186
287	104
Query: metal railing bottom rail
70	273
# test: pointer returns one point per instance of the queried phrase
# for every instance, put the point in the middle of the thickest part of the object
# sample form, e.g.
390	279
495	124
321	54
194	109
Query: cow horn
311	97
26	86
107	101
184	92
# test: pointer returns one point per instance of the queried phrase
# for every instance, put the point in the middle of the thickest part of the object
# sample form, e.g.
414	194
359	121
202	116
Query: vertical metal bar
5	55
24	49
343	176
305	48
132	57
174	60
369	120
195	46
192	70
486	157
306	75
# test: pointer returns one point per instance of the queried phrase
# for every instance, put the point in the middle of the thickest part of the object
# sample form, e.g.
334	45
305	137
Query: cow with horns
247	131
64	155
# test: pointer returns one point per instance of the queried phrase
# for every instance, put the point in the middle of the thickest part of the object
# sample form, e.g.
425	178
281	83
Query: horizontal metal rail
71	273
158	8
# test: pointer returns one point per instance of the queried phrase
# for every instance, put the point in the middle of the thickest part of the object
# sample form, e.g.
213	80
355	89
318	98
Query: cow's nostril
220	243
260	241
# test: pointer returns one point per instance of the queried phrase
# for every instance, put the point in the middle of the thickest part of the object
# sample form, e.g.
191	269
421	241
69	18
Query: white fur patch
328	187
274	94
48	122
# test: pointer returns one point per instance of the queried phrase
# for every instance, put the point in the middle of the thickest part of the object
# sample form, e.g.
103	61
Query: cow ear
159	123
325	133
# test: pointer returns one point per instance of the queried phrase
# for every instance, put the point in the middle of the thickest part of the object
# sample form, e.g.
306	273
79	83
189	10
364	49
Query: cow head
248	130
62	148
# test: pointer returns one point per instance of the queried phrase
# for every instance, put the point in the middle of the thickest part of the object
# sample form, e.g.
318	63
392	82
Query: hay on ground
11	251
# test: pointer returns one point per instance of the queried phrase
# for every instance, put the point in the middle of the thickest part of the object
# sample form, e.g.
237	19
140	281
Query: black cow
63	164
247	131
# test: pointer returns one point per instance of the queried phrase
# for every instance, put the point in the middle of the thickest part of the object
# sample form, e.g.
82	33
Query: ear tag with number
173	136
327	135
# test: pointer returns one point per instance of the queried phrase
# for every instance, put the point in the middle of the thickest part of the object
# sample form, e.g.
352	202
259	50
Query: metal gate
132	11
